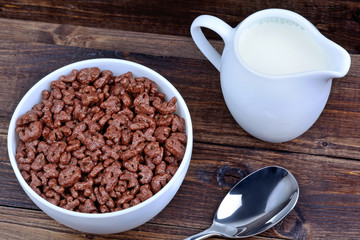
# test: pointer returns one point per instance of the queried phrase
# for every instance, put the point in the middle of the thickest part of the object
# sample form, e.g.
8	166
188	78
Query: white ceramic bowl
114	222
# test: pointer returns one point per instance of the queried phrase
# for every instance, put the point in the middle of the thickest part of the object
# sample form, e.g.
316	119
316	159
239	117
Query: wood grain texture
101	38
21	223
338	20
325	160
334	134
329	193
328	201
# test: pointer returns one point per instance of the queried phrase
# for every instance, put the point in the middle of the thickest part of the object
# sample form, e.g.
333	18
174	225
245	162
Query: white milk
280	46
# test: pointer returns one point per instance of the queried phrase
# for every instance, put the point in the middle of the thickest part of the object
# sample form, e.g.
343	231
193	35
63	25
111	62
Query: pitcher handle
215	24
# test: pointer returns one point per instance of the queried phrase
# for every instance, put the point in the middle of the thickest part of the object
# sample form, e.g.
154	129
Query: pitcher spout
339	60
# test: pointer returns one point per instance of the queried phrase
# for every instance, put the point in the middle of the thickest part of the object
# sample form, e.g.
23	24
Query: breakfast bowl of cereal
101	145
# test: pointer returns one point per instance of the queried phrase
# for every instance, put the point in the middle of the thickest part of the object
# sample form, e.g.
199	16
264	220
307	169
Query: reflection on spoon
230	203
255	204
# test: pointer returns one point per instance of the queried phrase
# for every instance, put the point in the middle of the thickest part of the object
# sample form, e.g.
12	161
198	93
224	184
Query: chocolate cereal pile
99	143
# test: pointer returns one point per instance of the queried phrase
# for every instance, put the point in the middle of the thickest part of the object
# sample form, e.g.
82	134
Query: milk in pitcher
280	46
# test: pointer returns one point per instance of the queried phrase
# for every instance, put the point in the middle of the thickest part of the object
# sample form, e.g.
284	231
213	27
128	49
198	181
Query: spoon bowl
255	204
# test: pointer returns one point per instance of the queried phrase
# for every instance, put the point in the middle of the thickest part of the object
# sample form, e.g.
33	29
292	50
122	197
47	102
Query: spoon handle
202	235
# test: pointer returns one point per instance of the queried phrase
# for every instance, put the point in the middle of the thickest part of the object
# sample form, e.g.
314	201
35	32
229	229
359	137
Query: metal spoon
255	204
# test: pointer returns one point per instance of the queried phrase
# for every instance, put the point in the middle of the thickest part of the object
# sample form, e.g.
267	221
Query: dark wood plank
334	134
327	196
338	20
35	225
100	38
324	160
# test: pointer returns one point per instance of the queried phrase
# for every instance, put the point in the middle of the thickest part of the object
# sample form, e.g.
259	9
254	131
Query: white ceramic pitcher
271	107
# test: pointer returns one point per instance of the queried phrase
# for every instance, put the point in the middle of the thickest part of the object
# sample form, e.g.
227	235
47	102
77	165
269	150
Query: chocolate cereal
100	143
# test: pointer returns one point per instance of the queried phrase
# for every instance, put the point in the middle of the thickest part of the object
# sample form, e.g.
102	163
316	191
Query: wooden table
37	37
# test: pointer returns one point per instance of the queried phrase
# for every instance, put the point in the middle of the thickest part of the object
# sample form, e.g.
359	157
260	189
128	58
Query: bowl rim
50	77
